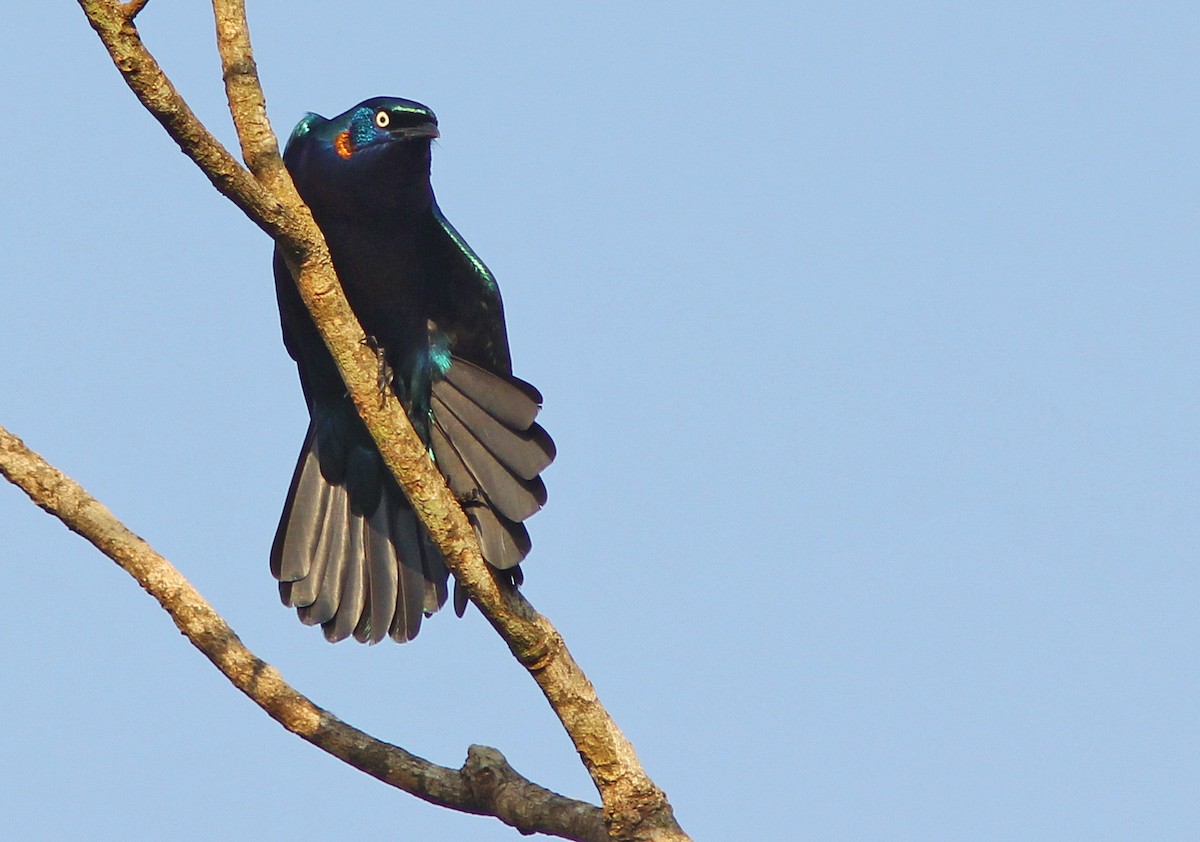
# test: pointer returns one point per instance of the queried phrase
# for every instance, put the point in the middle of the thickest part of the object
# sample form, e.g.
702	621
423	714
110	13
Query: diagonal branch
114	24
247	104
635	808
485	785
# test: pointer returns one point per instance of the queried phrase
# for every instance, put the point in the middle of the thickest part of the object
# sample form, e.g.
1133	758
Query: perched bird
350	553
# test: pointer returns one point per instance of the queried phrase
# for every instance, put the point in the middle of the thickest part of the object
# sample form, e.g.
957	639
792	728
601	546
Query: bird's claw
383	372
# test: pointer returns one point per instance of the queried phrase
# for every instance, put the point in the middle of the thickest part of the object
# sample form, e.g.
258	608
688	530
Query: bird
350	554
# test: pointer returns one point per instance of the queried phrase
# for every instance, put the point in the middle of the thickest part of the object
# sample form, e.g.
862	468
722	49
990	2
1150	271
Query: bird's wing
466	305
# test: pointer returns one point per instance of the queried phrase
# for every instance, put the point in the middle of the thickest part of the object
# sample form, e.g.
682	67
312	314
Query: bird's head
371	158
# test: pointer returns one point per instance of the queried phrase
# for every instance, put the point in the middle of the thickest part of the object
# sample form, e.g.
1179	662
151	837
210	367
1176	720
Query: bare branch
485	785
635	808
247	104
161	99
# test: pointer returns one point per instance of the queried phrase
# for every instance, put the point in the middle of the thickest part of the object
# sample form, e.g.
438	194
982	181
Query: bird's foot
383	372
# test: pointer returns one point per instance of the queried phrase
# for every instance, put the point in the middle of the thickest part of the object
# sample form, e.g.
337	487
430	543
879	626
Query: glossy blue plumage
348	545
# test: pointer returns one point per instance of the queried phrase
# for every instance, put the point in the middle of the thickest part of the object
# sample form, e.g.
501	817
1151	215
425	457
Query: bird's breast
387	283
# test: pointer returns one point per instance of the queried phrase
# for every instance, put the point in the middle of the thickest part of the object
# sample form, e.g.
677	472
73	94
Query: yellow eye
382	119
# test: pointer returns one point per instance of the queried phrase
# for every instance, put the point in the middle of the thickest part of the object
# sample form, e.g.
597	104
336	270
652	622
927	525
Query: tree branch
116	29
635	808
247	104
485	785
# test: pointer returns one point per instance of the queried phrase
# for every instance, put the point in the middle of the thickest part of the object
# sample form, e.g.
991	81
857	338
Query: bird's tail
350	553
491	452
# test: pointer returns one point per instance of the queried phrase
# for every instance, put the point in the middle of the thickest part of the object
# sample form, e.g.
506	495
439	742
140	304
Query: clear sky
868	337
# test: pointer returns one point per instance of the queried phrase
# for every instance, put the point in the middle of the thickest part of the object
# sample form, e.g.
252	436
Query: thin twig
485	785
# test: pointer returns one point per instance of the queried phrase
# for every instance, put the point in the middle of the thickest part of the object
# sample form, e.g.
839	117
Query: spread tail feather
351	555
363	573
491	451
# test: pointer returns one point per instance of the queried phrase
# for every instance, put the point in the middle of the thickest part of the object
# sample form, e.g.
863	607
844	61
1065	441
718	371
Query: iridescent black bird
350	554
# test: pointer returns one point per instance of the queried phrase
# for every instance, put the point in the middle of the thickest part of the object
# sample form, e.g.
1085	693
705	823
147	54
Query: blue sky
868	339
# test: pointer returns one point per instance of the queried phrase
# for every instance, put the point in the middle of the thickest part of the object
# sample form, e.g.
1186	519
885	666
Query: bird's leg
383	371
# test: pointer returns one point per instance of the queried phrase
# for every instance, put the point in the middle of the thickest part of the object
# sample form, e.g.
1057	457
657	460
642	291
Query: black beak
425	131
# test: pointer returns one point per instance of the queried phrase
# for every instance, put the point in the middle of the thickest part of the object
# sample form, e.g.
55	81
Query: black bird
350	553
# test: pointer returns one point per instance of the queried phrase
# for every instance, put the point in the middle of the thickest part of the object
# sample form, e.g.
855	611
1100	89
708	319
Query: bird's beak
427	131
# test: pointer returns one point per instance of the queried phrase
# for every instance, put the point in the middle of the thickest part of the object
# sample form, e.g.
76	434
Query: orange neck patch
342	145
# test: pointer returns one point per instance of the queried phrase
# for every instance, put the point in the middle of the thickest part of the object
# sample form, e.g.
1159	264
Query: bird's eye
382	119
